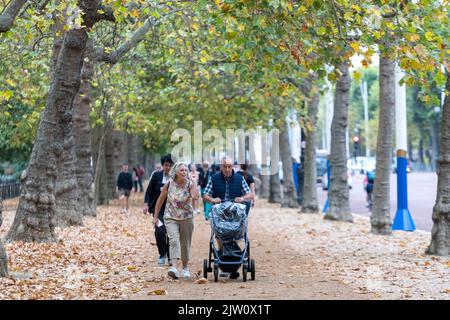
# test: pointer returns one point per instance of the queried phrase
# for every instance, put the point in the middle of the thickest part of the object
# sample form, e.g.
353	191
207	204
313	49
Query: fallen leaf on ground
158	292
202	281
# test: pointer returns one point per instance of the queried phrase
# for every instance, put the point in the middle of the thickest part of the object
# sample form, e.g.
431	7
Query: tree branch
9	15
107	14
138	36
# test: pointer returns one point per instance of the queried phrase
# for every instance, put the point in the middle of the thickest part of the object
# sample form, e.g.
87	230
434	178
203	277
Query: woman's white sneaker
186	274
173	273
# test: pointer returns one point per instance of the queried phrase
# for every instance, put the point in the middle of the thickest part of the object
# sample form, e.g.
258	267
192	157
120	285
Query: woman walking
180	191
135	178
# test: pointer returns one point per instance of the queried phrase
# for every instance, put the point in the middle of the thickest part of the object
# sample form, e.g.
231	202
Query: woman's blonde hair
175	167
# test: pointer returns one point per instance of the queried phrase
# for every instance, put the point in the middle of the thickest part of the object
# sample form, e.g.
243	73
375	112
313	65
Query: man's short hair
166	158
225	159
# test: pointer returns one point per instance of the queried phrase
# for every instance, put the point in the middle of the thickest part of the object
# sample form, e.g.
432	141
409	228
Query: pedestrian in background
157	181
204	177
124	187
135	178
251	183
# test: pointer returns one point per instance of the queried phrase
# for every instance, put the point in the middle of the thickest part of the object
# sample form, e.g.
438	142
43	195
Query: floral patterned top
179	201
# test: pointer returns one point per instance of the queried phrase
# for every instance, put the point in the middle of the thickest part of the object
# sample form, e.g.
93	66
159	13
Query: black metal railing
9	190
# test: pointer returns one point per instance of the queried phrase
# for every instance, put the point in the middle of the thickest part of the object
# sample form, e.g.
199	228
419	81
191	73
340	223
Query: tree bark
130	149
118	154
440	233
435	143
338	195
3	256
381	217
67	211
275	189
100	185
8	16
35	218
289	195
84	170
264	190
109	163
309	202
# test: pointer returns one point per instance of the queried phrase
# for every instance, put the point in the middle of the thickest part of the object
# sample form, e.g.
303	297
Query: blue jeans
248	205
206	205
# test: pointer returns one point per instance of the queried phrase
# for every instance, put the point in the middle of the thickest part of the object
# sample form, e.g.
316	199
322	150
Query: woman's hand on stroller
216	200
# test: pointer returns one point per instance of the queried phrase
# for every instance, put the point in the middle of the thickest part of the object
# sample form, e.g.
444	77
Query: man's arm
248	194
149	193
208	194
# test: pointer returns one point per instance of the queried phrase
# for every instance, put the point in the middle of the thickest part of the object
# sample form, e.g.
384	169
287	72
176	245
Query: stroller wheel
216	273
205	268
253	269
244	273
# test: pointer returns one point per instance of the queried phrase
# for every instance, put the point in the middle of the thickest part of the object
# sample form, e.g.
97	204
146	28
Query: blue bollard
403	220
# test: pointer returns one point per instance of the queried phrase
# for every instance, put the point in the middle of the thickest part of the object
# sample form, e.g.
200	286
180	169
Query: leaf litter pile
111	257
386	267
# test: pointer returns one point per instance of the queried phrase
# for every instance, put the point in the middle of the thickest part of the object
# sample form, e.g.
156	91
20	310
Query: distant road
422	187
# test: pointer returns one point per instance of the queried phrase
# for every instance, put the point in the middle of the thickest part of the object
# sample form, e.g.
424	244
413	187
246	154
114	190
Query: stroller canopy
229	221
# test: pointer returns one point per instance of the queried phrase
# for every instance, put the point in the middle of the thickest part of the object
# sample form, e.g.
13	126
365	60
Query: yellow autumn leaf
421	50
355	46
134	13
414	37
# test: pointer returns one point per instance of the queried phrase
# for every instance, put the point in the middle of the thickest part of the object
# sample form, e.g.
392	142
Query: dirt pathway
281	271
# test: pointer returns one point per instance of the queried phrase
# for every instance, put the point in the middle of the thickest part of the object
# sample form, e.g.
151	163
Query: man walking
157	181
226	185
124	186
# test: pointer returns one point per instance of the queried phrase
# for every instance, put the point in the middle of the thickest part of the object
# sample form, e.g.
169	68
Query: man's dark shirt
153	191
204	177
125	181
249	179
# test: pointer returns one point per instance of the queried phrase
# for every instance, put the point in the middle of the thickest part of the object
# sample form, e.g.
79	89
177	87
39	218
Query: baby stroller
228	226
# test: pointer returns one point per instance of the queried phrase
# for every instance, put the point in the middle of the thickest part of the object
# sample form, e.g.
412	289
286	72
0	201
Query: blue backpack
371	177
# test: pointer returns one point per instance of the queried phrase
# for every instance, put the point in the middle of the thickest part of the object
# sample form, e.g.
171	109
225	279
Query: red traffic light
355	138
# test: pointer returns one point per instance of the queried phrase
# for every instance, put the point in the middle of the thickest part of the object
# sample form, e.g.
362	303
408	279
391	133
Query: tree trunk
118	156
309	202
421	155
100	185
435	142
130	149
440	233
381	217
109	164
410	149
289	194
35	218
264	190
84	170
275	189
338	195
67	211
3	256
